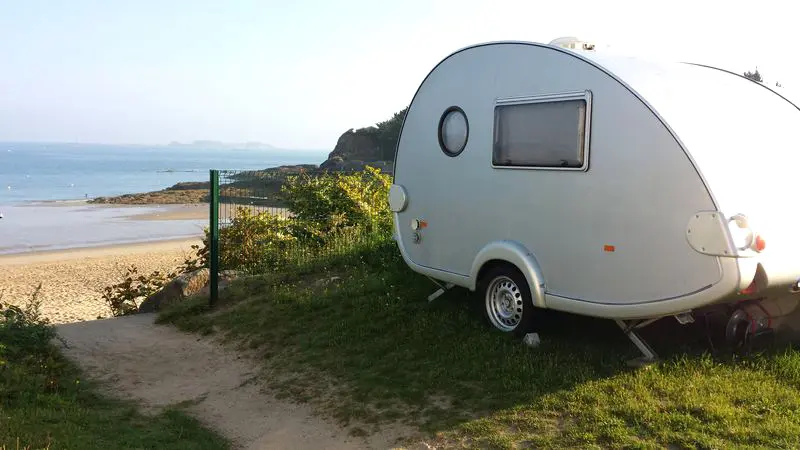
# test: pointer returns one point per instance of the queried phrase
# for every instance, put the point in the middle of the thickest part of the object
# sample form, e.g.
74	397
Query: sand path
158	366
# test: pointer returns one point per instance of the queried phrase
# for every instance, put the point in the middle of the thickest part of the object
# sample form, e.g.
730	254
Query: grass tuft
46	403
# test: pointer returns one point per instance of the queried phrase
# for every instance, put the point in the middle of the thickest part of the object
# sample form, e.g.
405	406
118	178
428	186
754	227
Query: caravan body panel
610	233
741	136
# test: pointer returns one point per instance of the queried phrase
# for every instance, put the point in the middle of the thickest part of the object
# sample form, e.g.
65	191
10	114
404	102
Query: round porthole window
453	131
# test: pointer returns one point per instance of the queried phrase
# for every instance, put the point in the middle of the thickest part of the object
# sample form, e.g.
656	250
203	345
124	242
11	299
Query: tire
506	301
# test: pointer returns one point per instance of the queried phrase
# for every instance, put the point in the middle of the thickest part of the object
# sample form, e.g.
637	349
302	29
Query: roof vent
573	43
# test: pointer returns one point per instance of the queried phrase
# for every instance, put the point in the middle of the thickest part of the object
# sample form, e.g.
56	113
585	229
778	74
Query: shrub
330	212
331	203
124	298
253	240
23	331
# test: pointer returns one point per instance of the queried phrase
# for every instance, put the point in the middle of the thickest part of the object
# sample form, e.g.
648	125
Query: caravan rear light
760	244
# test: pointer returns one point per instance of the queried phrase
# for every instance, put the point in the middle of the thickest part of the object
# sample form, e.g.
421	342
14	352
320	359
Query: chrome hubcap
504	303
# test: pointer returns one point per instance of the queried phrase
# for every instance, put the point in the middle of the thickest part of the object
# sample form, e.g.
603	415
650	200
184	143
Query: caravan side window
543	132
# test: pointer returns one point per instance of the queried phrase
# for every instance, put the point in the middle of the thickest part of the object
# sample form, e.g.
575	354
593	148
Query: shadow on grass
359	340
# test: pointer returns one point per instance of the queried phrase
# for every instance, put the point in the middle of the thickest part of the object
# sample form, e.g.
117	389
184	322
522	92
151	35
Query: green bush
124	298
330	213
25	337
255	239
22	330
45	402
330	202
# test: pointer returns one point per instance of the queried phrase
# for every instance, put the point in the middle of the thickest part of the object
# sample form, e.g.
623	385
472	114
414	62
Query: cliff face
357	145
374	146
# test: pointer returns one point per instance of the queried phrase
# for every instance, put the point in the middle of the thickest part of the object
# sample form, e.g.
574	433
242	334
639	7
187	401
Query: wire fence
266	220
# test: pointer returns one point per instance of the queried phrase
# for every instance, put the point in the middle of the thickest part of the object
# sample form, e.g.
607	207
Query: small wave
176	171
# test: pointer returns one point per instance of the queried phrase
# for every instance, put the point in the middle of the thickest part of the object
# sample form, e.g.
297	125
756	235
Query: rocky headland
356	148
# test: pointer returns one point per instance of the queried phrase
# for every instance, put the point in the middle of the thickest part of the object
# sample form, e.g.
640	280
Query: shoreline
88	202
37	227
101	249
190	211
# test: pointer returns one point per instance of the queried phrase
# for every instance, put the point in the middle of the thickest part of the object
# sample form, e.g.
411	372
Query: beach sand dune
73	280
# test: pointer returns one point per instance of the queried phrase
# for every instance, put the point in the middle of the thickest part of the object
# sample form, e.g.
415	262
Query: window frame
456	109
586	96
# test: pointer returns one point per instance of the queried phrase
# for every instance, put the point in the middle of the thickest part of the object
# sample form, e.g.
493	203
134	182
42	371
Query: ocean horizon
47	172
43	188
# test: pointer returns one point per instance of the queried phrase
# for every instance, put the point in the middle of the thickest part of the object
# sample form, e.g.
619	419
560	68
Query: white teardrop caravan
596	184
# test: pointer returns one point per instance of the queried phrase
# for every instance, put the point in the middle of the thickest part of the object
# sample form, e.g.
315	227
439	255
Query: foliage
22	329
388	133
326	203
255	240
329	211
124	298
385	134
755	76
45	402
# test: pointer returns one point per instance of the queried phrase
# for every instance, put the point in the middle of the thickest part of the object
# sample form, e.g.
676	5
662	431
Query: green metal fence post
214	237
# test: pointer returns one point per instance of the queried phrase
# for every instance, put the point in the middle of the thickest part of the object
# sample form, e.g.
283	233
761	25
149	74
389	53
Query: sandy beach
73	280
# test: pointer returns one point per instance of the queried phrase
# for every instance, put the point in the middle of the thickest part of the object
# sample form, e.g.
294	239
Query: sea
44	188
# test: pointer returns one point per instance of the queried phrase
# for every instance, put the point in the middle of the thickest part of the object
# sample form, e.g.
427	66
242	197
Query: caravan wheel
507	300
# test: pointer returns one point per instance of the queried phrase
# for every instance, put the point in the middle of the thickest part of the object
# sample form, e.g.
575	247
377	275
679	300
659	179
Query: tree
388	132
755	76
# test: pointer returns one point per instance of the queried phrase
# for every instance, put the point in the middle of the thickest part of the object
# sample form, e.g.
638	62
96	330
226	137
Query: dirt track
159	366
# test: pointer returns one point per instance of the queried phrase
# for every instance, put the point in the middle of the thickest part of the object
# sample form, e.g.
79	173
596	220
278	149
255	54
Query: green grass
46	403
368	348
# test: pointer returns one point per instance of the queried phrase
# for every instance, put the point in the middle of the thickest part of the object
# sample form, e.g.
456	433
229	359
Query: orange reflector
608	248
761	244
423	224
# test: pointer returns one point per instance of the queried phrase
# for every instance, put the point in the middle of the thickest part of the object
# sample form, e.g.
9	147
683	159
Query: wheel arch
515	254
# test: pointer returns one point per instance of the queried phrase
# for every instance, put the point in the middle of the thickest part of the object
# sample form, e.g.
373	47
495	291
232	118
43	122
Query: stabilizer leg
440	291
648	355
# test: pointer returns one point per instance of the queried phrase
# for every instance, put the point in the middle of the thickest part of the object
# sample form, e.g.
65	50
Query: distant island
207	144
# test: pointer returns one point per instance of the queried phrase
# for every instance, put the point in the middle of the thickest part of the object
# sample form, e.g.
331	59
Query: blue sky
297	74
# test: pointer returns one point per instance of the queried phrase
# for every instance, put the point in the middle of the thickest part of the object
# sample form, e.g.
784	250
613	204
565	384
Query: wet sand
44	227
182	212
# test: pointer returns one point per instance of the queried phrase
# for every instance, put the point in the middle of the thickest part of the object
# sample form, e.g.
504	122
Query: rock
294	169
325	281
225	277
177	290
532	340
189	185
336	164
333	163
358	144
229	274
